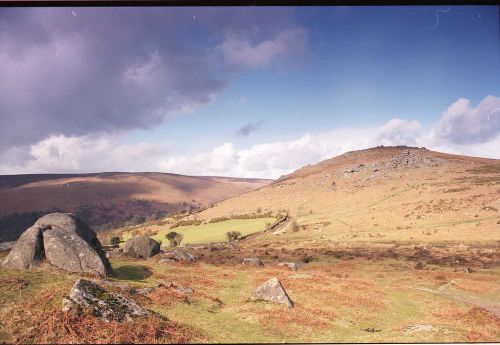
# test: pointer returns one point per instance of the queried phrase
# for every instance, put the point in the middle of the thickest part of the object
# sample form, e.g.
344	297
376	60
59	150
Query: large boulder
65	241
141	247
87	295
272	291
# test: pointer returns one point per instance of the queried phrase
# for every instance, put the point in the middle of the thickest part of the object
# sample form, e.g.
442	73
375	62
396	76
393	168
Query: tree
233	235
115	240
174	238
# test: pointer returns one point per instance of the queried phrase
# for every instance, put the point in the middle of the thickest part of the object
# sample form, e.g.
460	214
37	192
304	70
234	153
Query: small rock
182	290
104	305
163	283
178	255
165	261
114	253
420	328
291	265
372	330
252	262
300	276
272	291
145	291
419	266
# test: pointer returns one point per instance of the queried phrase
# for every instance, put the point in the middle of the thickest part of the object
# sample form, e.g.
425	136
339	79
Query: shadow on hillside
132	272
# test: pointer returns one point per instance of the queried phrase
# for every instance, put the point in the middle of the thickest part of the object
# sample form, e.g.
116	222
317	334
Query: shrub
218	219
233	235
186	223
295	226
115	240
174	238
259	210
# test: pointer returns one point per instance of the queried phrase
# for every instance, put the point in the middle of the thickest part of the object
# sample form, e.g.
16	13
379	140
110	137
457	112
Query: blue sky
306	83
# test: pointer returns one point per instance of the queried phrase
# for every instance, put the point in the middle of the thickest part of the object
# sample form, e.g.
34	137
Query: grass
216	232
336	300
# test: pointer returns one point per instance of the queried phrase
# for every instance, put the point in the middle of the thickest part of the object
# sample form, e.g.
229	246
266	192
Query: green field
216	232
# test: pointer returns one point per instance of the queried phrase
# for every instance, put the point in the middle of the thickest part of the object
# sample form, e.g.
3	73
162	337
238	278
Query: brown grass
29	321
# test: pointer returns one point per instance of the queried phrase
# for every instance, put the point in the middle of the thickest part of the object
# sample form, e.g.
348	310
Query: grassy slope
216	232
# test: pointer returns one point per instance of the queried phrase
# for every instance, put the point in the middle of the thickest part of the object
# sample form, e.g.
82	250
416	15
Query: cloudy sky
249	92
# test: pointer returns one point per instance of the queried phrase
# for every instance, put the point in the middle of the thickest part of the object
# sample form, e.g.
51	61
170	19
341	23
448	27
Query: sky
242	91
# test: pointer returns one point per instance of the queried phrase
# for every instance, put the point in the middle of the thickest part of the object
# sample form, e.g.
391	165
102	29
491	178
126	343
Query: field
216	232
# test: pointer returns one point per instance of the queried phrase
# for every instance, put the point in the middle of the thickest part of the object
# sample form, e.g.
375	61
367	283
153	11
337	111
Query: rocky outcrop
87	295
272	291
413	158
141	247
256	262
65	241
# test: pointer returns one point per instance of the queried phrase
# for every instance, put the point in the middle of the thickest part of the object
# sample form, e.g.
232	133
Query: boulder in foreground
141	247
62	239
272	291
87	295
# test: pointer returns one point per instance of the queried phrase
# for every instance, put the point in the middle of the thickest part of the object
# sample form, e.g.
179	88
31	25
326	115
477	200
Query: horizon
242	92
234	177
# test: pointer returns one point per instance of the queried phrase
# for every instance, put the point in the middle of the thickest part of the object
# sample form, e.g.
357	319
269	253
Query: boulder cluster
407	158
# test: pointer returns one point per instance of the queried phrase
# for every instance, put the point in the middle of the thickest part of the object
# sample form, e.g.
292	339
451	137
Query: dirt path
493	308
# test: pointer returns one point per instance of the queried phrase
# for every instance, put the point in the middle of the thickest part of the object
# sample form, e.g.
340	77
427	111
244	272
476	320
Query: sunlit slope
383	194
111	198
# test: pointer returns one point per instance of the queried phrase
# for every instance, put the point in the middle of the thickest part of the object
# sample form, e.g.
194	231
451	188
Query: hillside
109	199
381	194
390	244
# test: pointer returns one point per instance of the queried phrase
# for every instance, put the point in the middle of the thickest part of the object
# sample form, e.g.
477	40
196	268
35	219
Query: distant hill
109	199
382	194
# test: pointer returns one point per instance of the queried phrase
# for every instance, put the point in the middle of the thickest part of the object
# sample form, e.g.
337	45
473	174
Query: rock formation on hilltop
62	239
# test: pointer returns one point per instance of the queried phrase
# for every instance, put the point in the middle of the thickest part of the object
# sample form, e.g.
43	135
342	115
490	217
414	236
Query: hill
110	199
381	194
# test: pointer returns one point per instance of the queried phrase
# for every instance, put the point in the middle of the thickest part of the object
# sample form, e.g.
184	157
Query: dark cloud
76	71
249	128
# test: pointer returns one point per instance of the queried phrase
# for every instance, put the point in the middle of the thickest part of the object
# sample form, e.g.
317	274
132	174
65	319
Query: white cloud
90	153
398	131
94	153
239	51
462	123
